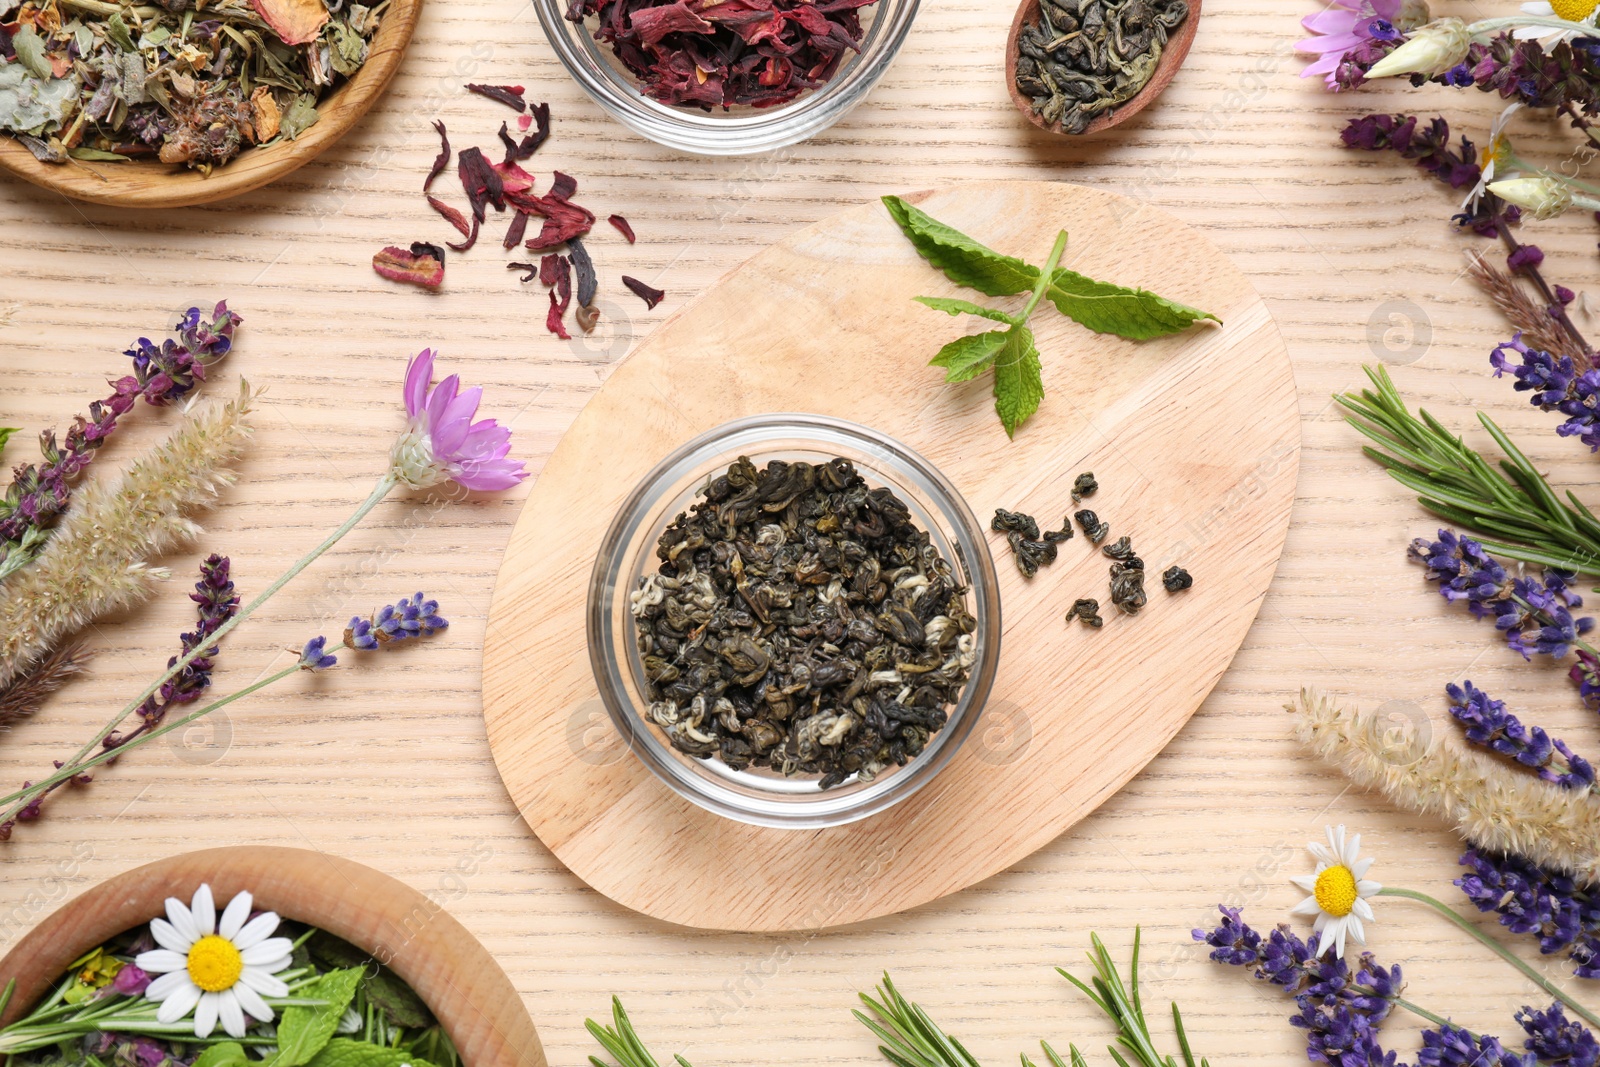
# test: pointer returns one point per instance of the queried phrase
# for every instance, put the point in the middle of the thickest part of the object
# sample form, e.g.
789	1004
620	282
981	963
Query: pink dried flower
442	442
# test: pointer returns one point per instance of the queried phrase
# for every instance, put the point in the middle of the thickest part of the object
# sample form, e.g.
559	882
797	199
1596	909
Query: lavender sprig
1451	1046
407	618
1531	900
1557	385
161	374
1556	1041
1488	723
1534	615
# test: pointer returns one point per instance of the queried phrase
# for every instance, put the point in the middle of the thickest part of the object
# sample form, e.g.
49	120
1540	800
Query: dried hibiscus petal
509	95
472	239
531	268
514	232
583	267
451	215
560	297
548	267
622	227
294	21
649	295
482	184
563	220
516	151
422	264
442	160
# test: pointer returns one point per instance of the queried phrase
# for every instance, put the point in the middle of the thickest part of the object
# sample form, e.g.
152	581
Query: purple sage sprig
1488	723
1557	384
1534	614
161	374
1564	916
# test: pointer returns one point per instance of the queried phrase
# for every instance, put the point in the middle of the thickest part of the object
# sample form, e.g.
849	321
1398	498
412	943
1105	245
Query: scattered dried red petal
649	295
408	265
294	21
531	268
622	227
513	179
509	95
548	266
560	296
482	184
442	160
452	216
563	220
514	232
552	319
472	239
524	121
583	267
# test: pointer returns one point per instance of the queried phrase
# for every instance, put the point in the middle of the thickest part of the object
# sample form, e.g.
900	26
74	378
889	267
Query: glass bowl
743	130
760	795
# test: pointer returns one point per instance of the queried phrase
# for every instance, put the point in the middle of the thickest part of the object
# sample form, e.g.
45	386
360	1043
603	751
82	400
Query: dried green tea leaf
965	307
29	47
300	117
967	357
1018	382
117	31
963	260
1136	314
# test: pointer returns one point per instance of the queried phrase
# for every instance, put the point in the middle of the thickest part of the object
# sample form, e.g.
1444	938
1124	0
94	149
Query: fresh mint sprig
1135	314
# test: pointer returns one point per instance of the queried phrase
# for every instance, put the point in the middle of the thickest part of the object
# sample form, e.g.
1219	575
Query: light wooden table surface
386	762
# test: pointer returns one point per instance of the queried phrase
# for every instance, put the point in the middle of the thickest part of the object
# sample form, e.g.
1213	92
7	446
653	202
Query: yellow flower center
1499	150
1335	892
1574	10
215	965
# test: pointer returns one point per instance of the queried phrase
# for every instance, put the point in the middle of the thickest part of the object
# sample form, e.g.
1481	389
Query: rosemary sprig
620	1040
910	1038
1513	510
1121	1003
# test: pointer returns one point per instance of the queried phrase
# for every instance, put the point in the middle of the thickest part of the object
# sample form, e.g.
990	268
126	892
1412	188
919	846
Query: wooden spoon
1172	57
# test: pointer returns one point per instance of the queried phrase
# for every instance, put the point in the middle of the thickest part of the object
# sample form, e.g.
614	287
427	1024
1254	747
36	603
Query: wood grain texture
1195	441
1172	57
149	183
387	762
401	928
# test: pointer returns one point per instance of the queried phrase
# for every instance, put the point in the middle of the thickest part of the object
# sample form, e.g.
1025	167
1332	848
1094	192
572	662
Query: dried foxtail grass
1538	329
96	562
1493	805
30	688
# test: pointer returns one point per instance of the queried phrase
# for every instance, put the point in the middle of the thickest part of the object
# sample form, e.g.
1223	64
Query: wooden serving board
1194	439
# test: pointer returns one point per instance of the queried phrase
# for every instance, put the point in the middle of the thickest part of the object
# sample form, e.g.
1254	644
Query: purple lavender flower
161	373
1586	675
408	618
1489	724
314	657
217	603
1532	900
1557	385
1534	615
1556	1041
1451	1046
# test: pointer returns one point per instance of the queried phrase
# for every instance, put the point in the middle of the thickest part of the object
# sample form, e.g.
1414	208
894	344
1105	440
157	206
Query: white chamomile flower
1497	161
1572	10
1338	892
217	968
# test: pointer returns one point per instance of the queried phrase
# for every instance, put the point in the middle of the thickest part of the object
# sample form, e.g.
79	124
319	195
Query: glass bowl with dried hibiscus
727	77
214	972
794	621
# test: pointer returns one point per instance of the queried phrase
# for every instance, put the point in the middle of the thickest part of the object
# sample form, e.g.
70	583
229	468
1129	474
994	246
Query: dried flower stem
1537	327
1498	949
81	758
1492	805
26	692
1558	310
95	562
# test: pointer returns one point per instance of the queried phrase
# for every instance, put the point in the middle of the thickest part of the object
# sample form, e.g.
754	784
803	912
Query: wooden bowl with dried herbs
1077	67
170	104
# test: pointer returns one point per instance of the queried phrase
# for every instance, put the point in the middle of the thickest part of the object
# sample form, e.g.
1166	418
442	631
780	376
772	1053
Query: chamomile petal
178	1003
203	909
164	986
256	930
234	916
161	961
1339	895
229	1012
226	969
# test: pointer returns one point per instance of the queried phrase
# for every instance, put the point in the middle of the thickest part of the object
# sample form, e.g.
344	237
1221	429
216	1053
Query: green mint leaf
5	434
117	30
303	1032
963	260
223	1054
1018	384
965	307
382	988
1136	314
967	357
347	1052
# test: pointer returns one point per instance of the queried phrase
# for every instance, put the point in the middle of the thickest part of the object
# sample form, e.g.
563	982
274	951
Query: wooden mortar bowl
1172	58
153	184
452	973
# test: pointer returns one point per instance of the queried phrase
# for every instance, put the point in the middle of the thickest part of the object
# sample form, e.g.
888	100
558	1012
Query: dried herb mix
1086	57
801	621
709	54
99	82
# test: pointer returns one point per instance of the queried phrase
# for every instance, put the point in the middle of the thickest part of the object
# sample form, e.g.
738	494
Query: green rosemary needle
1121	1004
910	1038
620	1040
1512	509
